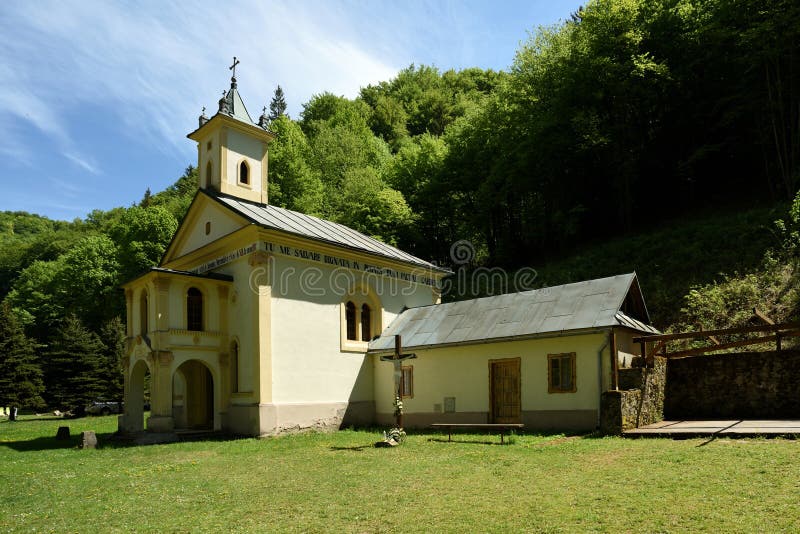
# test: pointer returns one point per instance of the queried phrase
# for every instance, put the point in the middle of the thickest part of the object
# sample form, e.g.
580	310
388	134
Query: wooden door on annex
504	390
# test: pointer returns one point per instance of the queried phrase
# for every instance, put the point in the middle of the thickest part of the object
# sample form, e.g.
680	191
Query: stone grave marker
88	440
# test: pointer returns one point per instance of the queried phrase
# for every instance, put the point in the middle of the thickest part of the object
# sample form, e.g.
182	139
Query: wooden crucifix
397	359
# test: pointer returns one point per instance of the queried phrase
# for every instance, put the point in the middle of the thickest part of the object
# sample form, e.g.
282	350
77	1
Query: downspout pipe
600	376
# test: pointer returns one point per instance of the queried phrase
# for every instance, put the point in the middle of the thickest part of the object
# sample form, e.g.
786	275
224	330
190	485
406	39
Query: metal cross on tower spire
233	68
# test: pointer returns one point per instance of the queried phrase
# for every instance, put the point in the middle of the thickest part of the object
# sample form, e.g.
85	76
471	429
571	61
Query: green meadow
338	482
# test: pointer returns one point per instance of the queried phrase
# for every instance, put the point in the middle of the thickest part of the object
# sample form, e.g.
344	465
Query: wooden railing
774	333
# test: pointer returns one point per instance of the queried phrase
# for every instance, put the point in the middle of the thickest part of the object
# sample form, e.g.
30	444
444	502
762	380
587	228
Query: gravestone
63	432
88	440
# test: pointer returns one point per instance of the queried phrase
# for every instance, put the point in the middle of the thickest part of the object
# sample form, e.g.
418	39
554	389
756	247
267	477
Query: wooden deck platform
721	428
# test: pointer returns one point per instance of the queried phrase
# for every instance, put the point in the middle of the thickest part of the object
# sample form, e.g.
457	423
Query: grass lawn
339	483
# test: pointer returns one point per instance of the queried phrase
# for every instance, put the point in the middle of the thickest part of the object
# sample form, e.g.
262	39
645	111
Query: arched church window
235	367
360	319
143	326
209	170
194	309
366	323
350	318
244	173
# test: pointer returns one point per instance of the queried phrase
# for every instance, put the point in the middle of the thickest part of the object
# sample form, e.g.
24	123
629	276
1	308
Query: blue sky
96	98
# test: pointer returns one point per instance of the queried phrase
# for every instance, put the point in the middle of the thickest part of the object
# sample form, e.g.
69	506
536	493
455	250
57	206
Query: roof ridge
316	228
526	291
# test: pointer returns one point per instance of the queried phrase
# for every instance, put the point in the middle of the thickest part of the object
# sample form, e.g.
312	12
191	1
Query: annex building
260	320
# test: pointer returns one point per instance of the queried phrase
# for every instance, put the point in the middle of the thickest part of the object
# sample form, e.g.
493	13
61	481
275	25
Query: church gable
205	222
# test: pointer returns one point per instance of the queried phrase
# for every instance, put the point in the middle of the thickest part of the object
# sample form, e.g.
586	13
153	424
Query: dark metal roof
209	276
303	225
587	305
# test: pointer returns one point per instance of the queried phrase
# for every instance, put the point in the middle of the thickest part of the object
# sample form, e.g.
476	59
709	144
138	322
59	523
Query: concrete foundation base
292	417
160	423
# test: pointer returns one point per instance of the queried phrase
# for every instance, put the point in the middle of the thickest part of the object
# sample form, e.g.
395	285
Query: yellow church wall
463	372
241	328
315	380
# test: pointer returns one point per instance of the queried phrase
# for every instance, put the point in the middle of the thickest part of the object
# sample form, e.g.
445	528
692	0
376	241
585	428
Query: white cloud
82	162
33	110
152	66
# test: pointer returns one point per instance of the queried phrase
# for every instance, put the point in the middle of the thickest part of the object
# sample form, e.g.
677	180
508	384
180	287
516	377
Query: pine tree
112	334
73	367
148	198
277	107
21	383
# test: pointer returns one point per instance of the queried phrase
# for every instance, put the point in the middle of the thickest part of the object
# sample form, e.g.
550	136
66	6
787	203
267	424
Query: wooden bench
502	427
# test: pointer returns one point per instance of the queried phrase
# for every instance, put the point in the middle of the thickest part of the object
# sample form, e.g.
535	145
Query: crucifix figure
397	359
233	67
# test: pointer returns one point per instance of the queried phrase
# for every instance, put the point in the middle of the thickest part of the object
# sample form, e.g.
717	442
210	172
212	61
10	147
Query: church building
260	320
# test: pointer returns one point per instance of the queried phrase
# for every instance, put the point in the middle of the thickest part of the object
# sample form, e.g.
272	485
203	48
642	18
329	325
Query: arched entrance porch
193	397
138	393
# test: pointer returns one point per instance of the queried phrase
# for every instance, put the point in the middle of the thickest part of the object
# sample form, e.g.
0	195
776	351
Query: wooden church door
504	394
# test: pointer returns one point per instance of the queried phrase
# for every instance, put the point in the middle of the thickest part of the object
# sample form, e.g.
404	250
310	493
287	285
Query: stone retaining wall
639	401
747	385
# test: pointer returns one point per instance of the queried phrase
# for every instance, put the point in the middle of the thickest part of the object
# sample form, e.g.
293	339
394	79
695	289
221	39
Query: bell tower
232	150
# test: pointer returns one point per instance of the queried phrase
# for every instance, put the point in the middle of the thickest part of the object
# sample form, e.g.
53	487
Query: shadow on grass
36	420
470	441
355	448
105	440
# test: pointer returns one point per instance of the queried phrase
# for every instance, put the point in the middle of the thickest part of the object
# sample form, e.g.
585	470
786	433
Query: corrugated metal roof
303	225
636	324
578	306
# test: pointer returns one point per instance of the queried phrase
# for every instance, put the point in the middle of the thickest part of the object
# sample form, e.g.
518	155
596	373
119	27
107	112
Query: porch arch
195	394
134	407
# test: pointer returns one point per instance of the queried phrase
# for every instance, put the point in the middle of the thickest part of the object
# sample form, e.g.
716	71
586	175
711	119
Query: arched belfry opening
193	397
244	173
209	176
